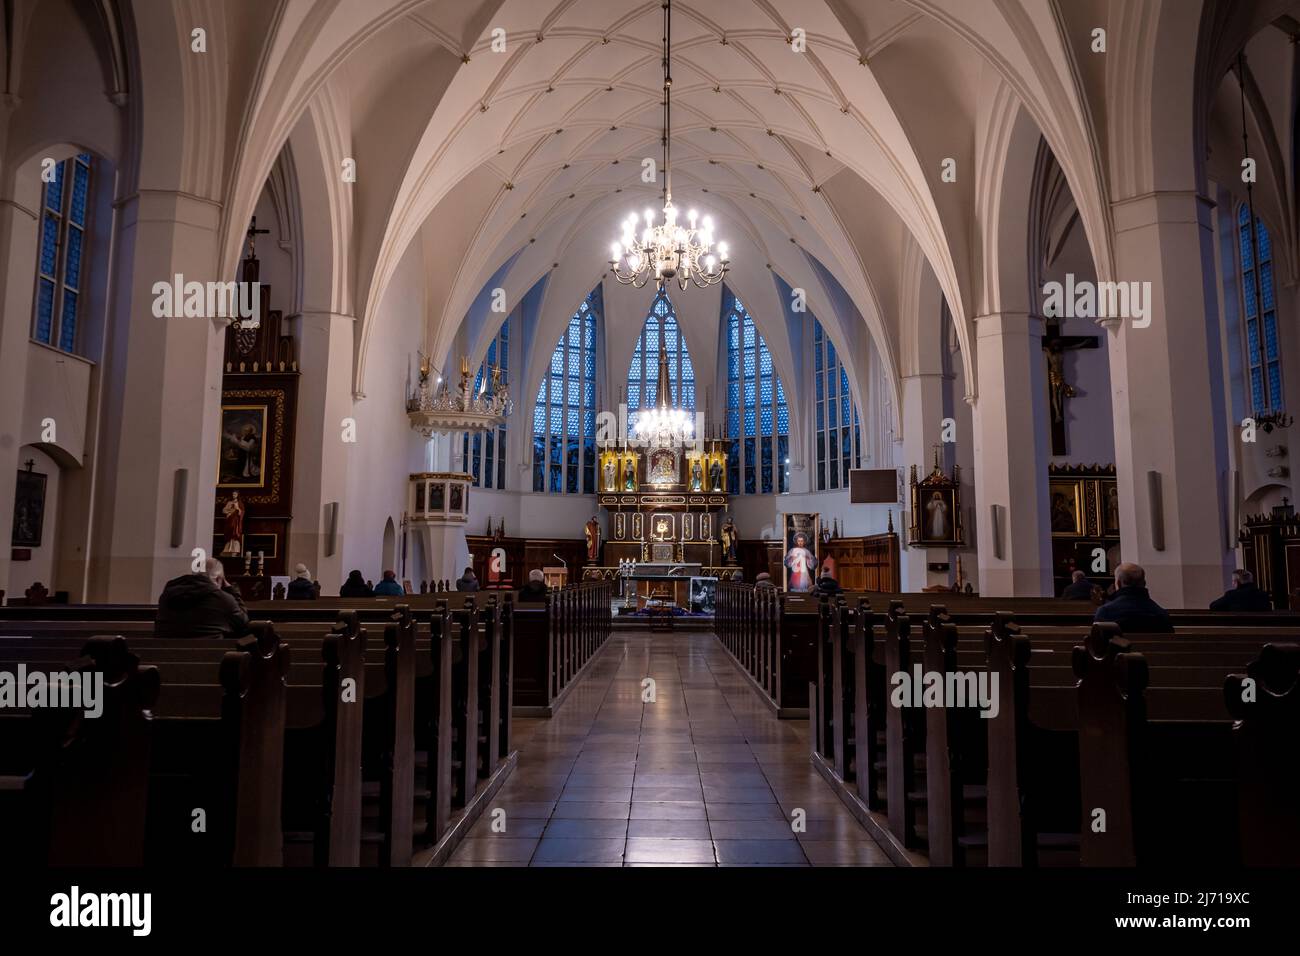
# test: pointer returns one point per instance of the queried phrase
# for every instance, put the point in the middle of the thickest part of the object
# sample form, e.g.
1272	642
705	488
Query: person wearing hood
535	590
355	586
389	587
201	605
301	587
467	581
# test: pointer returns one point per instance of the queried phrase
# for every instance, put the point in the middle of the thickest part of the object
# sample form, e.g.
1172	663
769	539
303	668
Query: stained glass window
485	452
61	263
758	419
1264	381
564	418
838	443
643	373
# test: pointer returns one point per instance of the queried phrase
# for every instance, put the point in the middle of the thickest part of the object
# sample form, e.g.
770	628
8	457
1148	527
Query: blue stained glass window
756	401
54	190
836	414
44	310
68	325
80	190
49	245
62	253
485	454
564	444
1259	300
643	371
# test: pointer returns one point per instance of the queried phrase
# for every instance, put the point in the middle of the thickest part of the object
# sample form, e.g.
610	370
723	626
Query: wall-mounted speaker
331	527
995	525
1155	499
180	486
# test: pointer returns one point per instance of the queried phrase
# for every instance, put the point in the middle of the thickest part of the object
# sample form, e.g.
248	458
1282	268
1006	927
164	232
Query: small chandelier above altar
665	424
433	409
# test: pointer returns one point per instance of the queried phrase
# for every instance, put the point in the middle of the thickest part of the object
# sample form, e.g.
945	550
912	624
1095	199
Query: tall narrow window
1262	349
485	452
643	374
65	206
758	419
839	427
564	418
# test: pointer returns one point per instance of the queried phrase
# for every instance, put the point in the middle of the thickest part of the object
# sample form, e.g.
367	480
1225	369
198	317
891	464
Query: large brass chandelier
668	250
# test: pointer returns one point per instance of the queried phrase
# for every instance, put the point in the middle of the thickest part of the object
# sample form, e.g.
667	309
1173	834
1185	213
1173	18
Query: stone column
162	401
1167	422
321	445
1009	421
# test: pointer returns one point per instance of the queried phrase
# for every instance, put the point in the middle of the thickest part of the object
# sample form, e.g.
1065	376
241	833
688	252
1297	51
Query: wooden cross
1055	345
252	234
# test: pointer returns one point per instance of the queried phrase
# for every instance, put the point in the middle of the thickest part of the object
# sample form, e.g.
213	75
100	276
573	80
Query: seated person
764	580
826	584
1131	606
535	590
1079	588
1244	596
301	587
355	586
389	587
467	581
201	605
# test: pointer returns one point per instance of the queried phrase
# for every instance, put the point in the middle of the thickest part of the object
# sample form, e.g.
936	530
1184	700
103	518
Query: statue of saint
799	561
697	476
233	511
715	476
610	476
629	474
592	531
730	541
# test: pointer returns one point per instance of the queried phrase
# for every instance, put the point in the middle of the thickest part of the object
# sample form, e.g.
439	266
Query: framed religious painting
936	509
29	510
801	548
1065	507
241	461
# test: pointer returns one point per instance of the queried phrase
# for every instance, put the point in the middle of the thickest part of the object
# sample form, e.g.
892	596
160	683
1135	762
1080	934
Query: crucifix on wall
1055	345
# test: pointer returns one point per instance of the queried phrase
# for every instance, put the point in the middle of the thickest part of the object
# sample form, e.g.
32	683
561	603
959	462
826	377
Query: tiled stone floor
703	776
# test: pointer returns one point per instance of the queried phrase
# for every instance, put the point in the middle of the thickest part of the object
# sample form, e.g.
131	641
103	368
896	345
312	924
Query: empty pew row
769	642
1178	740
268	745
556	641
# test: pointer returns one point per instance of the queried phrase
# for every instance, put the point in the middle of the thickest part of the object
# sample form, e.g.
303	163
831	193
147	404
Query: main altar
664	496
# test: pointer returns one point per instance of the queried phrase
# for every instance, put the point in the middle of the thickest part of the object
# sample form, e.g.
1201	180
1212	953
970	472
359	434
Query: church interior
593	413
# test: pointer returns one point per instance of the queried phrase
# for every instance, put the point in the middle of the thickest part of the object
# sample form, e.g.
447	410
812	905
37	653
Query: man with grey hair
1079	588
201	605
1245	595
1131	606
535	590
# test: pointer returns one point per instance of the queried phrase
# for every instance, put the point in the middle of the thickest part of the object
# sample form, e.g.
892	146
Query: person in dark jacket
389	587
1079	588
535	590
1244	596
826	584
301	587
467	581
355	586
1131	606
201	605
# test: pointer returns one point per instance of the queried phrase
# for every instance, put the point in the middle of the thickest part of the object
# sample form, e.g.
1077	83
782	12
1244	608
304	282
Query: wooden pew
1268	774
73	790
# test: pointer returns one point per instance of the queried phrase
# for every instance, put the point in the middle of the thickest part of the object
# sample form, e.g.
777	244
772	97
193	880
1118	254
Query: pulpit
555	577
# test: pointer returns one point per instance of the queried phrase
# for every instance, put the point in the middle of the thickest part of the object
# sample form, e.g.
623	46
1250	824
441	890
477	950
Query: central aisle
704	775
